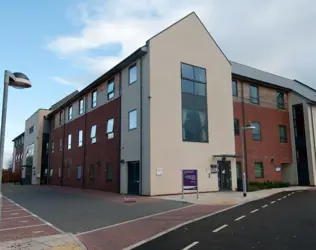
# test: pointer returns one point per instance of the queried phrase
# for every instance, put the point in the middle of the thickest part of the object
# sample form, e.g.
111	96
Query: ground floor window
259	173
92	172
59	172
109	172
79	172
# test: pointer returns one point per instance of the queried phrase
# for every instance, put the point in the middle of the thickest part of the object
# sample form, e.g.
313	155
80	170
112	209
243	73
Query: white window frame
94	102
93	134
69	141
80	138
70	113
129	119
110	128
81	108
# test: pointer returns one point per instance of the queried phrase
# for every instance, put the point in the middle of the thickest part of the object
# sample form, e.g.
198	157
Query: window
256	133
254	94
60	144
132	119
236	126
92	172
80	138
31	130
194	104
80	106
282	130
94	96
235	88
280	100
53	122
53	147
59	173
259	173
69	141
132	74
111	89
238	170
109	172
79	172
61	117
110	128
69	113
93	134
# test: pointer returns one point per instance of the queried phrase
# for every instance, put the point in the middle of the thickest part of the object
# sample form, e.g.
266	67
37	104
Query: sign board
278	168
159	171
189	179
214	168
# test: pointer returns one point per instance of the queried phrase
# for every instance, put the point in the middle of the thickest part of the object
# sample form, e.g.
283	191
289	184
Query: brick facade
269	150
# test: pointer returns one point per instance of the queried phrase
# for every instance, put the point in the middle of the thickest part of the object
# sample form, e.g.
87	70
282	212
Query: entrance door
224	175
133	177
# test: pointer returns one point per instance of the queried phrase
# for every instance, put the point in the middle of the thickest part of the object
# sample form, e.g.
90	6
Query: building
18	153
139	125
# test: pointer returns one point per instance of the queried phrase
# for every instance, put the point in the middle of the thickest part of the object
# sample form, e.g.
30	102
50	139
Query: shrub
254	186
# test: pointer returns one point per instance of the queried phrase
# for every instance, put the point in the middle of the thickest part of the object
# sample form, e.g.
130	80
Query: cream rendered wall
189	42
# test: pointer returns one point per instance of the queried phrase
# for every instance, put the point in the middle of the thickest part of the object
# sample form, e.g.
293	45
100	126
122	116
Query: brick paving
124	235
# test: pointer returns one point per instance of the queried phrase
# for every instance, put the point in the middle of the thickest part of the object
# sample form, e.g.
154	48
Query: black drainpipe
119	131
49	149
141	125
63	150
244	124
313	130
84	138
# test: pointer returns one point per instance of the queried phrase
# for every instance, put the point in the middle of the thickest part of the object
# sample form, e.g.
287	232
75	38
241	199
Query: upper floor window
81	106
69	113
132	119
254	94
94	96
22	140
53	147
80	138
194	104
111	89
236	126
282	131
256	132
61	117
235	88
132	74
280	100
93	134
31	130
69	141
110	128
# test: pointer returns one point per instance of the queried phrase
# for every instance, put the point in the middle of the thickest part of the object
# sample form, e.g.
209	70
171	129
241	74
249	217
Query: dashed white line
12	228
241	217
10	218
279	199
14	210
272	202
219	228
253	211
14	214
191	245
284	197
264	205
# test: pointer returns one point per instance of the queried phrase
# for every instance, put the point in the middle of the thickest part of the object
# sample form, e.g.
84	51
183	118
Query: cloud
78	83
277	36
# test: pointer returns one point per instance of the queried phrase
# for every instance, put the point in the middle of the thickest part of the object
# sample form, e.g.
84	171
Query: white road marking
241	217
253	211
14	214
264	205
191	245
37	232
284	197
12	228
279	199
219	228
292	193
14	210
10	218
24	221
272	202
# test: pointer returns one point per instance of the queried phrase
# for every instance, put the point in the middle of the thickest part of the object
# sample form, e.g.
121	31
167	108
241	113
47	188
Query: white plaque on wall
159	171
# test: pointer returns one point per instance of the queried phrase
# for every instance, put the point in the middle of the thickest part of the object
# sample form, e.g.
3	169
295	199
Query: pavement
284	221
47	216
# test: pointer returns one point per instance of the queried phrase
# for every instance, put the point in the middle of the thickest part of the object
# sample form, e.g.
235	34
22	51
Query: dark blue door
133	177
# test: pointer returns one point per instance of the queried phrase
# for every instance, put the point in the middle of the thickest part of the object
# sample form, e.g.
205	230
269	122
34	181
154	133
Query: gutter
141	126
312	118
119	131
63	152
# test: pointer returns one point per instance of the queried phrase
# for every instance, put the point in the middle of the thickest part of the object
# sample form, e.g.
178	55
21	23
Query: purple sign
189	179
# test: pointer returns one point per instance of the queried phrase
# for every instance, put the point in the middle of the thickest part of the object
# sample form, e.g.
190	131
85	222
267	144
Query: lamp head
20	81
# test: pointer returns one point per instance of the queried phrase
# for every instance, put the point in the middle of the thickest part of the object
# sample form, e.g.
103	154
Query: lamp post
15	80
244	181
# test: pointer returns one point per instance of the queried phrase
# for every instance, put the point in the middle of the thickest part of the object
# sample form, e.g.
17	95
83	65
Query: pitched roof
17	137
259	75
62	101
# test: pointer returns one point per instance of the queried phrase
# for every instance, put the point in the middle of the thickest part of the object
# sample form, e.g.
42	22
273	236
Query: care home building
177	103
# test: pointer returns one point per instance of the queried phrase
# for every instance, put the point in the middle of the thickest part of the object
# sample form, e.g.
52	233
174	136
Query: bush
254	186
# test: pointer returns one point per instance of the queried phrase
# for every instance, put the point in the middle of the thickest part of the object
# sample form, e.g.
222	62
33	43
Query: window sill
131	129
131	83
196	141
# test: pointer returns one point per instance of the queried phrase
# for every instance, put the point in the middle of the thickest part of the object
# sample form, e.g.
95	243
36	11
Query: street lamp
16	80
244	181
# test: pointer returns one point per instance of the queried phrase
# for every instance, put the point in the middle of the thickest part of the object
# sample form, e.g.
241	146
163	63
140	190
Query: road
283	221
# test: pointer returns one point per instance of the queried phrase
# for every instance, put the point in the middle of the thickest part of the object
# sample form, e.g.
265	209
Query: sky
63	45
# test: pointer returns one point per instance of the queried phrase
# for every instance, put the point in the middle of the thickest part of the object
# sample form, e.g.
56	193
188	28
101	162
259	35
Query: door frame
219	172
137	190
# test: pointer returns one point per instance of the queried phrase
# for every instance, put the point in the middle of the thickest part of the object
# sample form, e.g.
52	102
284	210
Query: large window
110	128
194	104
69	113
69	141
81	106
111	89
282	130
280	100
80	138
259	173
94	96
132	119
235	88
93	134
31	130
236	126
254	94
256	132
132	74
109	172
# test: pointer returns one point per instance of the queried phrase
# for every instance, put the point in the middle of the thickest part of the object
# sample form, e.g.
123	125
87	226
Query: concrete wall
189	42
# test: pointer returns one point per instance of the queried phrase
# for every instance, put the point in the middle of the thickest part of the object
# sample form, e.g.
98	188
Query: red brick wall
104	151
270	146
